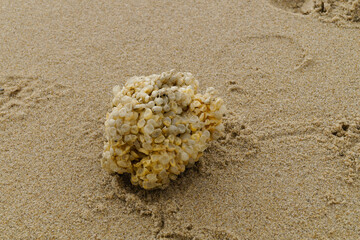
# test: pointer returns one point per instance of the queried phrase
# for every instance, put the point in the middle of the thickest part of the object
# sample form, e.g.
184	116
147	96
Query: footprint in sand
344	13
200	233
238	145
269	53
345	138
295	6
20	94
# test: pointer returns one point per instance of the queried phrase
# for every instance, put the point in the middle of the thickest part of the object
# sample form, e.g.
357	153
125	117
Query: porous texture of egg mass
158	126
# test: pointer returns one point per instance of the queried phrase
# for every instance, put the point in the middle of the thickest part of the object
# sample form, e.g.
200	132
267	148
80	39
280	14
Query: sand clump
158	126
327	10
335	10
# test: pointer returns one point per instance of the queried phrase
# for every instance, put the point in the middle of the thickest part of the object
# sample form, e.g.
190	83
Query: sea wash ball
158	126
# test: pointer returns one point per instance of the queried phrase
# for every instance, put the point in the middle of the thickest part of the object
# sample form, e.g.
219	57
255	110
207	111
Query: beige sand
287	169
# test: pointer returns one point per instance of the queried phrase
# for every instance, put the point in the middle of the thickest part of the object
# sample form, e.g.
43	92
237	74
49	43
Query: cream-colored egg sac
158	126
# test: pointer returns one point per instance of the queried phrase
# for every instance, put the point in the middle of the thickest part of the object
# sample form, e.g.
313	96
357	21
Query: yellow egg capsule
159	125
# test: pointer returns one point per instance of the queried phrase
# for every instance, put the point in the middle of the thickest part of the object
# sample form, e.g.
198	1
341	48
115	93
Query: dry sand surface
289	72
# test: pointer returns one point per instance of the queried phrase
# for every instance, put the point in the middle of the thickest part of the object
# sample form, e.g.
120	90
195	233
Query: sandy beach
288	71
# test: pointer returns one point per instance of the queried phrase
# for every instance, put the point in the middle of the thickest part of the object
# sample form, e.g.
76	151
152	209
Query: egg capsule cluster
158	126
